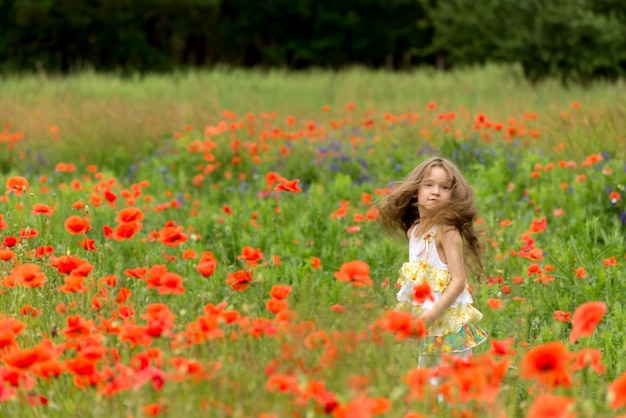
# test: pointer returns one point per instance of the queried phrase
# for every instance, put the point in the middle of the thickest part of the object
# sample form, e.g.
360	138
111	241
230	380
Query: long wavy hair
399	210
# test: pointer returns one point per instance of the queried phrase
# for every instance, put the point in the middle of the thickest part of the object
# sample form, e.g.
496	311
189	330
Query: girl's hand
428	319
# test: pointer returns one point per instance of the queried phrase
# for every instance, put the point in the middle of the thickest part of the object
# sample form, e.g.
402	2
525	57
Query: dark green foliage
156	35
574	40
139	35
569	40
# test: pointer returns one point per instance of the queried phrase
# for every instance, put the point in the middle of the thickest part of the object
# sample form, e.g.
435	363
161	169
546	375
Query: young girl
434	207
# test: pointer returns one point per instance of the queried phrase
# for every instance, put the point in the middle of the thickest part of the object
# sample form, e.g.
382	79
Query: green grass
103	116
126	128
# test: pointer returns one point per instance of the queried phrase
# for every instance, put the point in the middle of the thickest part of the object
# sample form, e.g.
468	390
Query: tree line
574	40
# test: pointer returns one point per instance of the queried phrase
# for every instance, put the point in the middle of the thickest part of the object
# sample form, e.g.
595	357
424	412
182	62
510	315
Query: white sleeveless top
424	249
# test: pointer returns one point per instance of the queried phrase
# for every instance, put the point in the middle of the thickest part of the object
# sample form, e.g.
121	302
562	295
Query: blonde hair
399	210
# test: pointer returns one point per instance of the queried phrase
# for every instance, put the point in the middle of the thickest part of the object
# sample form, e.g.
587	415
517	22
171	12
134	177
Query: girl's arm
452	245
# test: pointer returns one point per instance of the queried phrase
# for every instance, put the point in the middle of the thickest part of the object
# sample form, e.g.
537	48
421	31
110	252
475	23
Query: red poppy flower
153	409
495	303
589	358
28	233
402	324
280	291
66	263
29	275
548	405
153	278
6	254
316	263
536	254
123	295
534	269
206	256
538	225
28	310
137	272
125	231
77	225
48	369
65	167
134	334
288	185
10	328
502	347
206	268
547	363
21	358
362	406
340	212
240	280
189	254
422	293
78	205
172	235
338	308
271	178
107	231
43	250
562	316
355	272
251	255
41	209
171	283
87	244
128	215
282	384
81	366
585	320
77	326
16	184
615	197
73	284
418	380
110	197
372	214
617	392
9	241
317	391
276	305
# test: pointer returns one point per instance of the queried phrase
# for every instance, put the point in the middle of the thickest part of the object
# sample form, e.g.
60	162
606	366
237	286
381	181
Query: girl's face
435	191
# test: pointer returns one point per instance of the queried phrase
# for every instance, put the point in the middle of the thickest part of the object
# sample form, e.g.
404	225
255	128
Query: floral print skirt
469	336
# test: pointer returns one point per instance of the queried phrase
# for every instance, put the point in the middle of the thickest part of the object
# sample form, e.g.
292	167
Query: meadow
208	244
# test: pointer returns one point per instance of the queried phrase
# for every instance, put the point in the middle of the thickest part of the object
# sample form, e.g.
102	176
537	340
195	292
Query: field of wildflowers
236	267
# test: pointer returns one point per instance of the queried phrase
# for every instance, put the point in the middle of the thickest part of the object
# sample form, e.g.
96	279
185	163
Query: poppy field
236	267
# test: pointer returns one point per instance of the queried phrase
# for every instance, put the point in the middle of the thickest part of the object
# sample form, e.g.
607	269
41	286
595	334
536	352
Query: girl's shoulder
412	229
449	233
446	229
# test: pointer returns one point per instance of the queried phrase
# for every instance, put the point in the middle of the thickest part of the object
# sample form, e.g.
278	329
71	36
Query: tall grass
112	118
